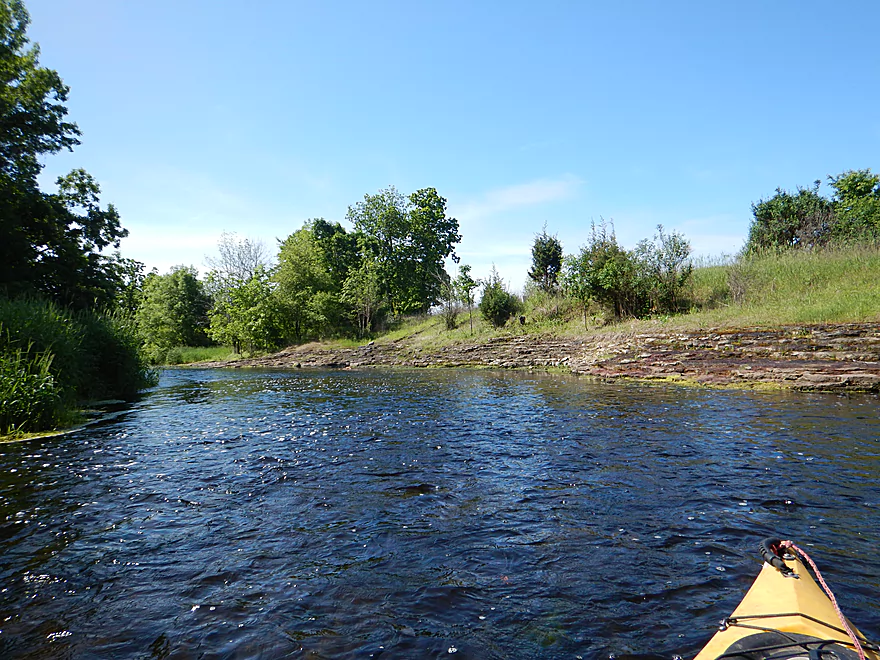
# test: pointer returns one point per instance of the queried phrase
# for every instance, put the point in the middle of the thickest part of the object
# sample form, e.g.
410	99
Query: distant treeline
326	281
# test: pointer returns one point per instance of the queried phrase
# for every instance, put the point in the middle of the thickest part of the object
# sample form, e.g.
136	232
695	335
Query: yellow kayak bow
786	615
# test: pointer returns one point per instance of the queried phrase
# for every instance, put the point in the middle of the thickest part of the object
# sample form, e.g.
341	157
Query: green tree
341	249
497	304
32	98
363	292
546	261
305	284
856	203
786	220
465	285
409	240
577	280
607	273
665	268
251	315
173	311
50	244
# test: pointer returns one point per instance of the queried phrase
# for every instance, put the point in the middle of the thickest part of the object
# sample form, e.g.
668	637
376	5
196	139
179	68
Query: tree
577	280
251	315
305	284
856	203
497	304
50	244
449	301
465	285
173	311
409	240
32	110
363	292
784	221
236	262
341	249
546	260
666	268
606	273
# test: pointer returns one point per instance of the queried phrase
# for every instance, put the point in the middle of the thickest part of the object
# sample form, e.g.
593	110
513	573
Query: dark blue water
454	514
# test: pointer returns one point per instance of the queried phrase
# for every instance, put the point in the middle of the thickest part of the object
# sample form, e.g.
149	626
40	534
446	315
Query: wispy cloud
540	191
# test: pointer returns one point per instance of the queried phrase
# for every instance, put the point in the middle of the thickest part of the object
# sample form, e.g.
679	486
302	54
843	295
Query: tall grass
30	398
834	285
61	359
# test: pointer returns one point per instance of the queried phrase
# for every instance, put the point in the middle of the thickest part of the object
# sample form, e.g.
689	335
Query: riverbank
821	357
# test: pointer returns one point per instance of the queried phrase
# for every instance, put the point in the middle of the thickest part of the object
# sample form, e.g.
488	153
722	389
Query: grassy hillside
832	286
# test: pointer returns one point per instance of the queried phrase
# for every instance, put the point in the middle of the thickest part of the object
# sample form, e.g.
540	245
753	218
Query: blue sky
205	116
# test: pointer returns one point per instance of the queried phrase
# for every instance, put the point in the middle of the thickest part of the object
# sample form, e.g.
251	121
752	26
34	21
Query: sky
204	116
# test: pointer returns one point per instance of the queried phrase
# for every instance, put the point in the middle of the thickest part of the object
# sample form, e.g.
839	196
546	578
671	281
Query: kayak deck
780	608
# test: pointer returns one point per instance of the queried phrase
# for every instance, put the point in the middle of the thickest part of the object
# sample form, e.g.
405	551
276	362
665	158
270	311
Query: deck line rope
827	589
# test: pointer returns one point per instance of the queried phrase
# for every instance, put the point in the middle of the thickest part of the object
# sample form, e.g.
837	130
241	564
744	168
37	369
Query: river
433	513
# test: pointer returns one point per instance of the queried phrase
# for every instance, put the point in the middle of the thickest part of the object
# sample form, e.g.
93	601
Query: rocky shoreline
826	357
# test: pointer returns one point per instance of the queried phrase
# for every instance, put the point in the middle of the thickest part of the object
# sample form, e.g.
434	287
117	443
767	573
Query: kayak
786	615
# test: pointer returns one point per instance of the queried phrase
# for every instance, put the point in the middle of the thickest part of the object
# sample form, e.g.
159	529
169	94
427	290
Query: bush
497	304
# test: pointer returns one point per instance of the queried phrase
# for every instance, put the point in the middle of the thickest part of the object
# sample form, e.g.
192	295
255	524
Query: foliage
665	269
408	239
546	260
605	272
30	398
113	362
305	284
341	250
362	290
449	302
236	262
173	312
807	220
787	220
497	304
250	315
465	286
89	355
50	243
856	206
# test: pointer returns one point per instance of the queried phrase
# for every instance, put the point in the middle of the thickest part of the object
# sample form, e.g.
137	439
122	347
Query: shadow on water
425	514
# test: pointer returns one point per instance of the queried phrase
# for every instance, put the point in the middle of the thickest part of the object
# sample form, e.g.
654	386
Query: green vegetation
52	358
805	220
497	304
57	346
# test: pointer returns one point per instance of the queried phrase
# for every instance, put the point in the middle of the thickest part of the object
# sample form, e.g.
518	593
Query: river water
418	514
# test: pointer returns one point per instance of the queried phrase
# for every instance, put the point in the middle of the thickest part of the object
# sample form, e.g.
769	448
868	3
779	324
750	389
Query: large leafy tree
173	311
408	238
546	261
50	243
305	284
250	316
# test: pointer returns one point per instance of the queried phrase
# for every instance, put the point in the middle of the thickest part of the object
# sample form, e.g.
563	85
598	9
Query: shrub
497	304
